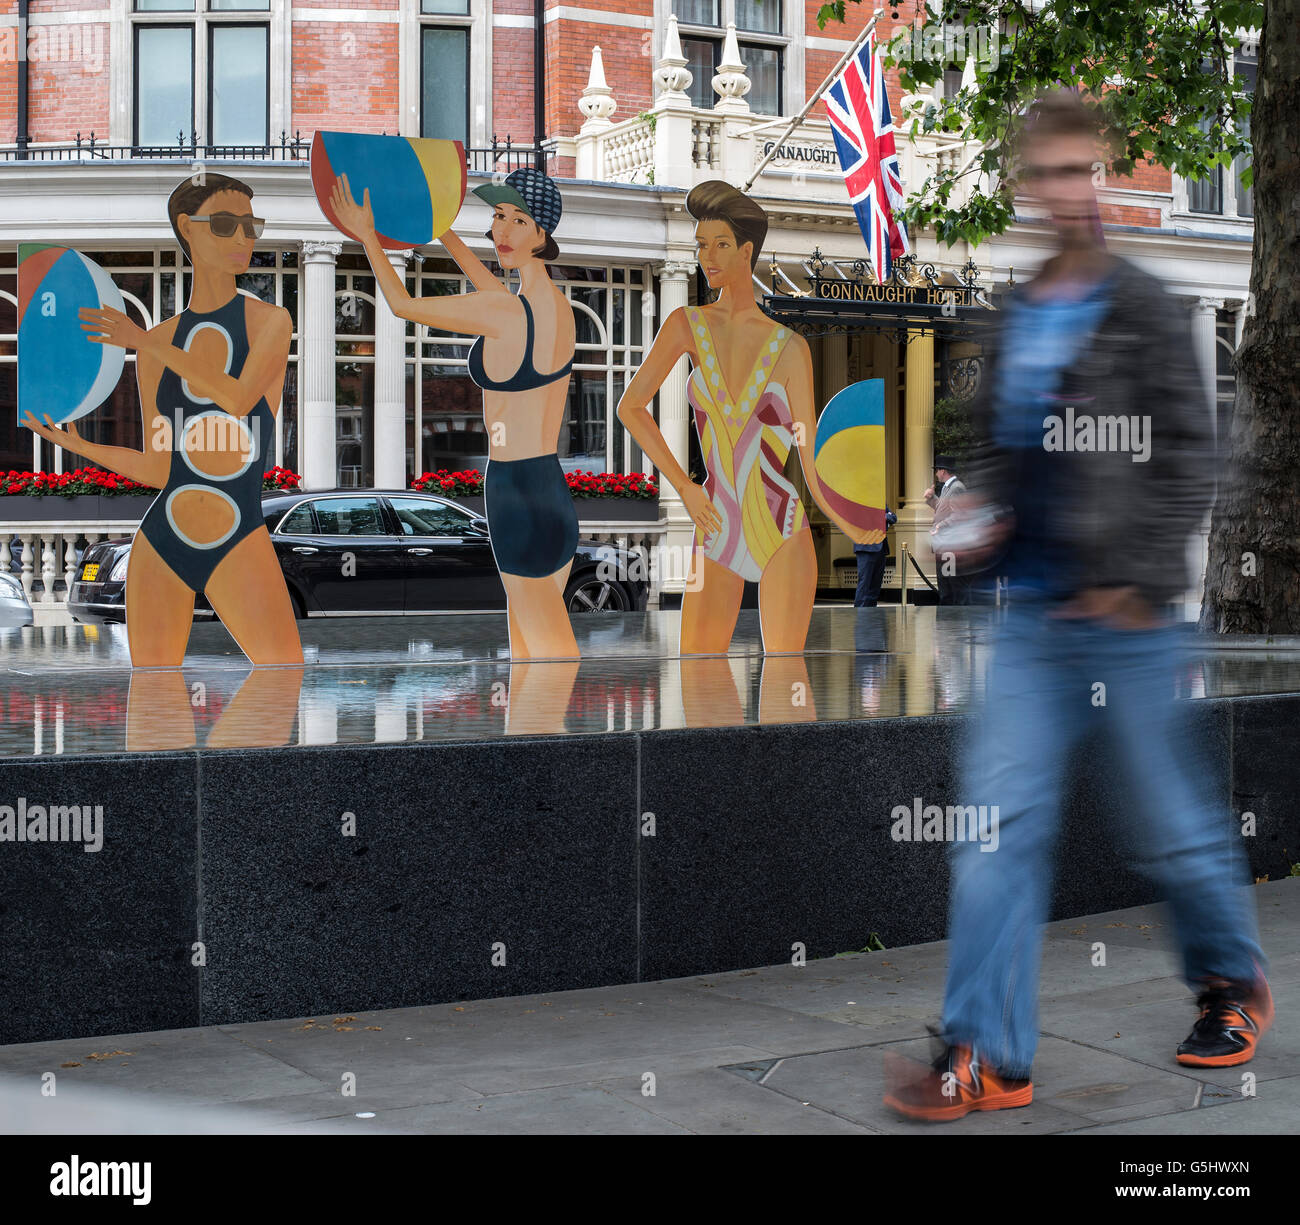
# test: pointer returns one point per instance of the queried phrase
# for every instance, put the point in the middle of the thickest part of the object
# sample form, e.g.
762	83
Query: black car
359	552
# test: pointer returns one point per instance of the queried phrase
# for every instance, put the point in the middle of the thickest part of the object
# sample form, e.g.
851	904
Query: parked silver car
14	608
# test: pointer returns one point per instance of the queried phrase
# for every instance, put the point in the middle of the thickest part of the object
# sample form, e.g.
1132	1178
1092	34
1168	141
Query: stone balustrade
676	144
45	554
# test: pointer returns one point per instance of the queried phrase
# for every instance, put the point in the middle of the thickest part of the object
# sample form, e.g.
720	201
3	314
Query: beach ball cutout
849	453
417	185
61	372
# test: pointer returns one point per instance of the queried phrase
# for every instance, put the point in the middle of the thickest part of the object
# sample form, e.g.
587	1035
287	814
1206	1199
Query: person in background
941	498
1087	641
871	567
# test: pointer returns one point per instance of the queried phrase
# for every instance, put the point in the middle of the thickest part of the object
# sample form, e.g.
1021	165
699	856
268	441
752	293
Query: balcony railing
504	154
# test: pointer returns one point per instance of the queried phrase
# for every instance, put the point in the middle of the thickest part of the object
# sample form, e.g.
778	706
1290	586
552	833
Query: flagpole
821	89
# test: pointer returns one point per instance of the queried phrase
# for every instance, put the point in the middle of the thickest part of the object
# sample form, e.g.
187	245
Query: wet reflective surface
71	690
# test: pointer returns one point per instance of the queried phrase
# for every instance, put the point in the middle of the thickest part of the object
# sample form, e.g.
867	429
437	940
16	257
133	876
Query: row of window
444	409
210	78
211	75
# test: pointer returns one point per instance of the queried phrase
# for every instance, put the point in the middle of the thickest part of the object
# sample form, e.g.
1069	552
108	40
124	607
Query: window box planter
617	510
82	507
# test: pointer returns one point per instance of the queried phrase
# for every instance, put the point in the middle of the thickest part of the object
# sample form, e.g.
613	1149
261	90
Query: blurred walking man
1098	439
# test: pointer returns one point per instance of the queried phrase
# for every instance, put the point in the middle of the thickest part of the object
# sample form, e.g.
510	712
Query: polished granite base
410	819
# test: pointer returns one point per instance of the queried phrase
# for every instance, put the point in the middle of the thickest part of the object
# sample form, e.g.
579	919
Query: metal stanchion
902	569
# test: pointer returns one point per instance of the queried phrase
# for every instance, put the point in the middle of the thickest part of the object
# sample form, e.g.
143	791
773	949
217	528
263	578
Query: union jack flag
858	107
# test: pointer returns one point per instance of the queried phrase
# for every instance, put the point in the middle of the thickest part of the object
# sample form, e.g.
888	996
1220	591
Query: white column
914	516
674	424
835	366
390	388
316	366
1205	343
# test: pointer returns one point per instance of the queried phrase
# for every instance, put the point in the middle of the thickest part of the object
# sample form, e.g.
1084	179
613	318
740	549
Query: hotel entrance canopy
915	300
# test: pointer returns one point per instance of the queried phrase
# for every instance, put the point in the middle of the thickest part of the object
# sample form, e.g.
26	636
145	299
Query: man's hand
1121	608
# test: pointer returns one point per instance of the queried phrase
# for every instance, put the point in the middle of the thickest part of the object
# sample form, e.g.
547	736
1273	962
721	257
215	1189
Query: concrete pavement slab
777	1050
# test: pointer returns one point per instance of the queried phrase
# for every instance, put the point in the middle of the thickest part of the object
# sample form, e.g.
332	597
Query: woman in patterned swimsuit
751	396
210	381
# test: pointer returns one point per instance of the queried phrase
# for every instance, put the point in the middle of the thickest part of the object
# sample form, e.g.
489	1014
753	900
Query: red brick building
241	86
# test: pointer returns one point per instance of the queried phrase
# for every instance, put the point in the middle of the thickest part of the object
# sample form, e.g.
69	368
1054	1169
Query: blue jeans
1039	700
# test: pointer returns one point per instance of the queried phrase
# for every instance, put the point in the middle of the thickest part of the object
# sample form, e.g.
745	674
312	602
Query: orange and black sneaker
1234	1016
954	1085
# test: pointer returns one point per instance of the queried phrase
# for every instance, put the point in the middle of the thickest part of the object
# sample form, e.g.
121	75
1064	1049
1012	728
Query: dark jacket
1117	521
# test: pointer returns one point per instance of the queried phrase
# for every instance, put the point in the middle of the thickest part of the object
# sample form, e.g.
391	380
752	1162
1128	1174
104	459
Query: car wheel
590	593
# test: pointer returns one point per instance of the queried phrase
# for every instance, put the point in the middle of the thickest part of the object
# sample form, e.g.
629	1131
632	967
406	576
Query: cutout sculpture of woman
522	362
751	396
208	379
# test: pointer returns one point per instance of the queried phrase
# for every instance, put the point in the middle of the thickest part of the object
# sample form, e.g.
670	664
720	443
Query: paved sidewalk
777	1050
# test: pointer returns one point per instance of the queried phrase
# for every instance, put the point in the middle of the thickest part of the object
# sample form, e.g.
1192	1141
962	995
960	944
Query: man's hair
190	197
1059	114
719	201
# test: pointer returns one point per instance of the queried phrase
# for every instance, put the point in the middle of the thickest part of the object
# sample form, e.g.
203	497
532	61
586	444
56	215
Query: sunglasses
225	224
1036	174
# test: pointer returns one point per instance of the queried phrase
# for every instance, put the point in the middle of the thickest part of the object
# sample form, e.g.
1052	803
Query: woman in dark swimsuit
522	362
208	378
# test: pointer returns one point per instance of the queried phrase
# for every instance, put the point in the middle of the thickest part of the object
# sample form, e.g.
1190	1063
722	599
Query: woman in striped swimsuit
751	396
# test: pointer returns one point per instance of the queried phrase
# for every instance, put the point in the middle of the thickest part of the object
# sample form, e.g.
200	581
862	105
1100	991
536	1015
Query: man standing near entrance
1096	553
941	498
871	567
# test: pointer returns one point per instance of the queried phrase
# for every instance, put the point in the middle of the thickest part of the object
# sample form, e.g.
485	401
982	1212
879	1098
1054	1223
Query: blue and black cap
530	190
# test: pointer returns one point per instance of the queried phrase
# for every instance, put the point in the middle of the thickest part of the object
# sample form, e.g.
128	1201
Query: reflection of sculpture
160	711
207	380
522	363
751	393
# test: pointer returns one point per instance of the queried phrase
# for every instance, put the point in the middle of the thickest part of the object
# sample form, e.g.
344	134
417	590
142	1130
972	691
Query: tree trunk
1252	580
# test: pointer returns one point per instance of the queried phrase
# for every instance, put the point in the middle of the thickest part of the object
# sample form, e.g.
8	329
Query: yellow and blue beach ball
849	452
416	185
